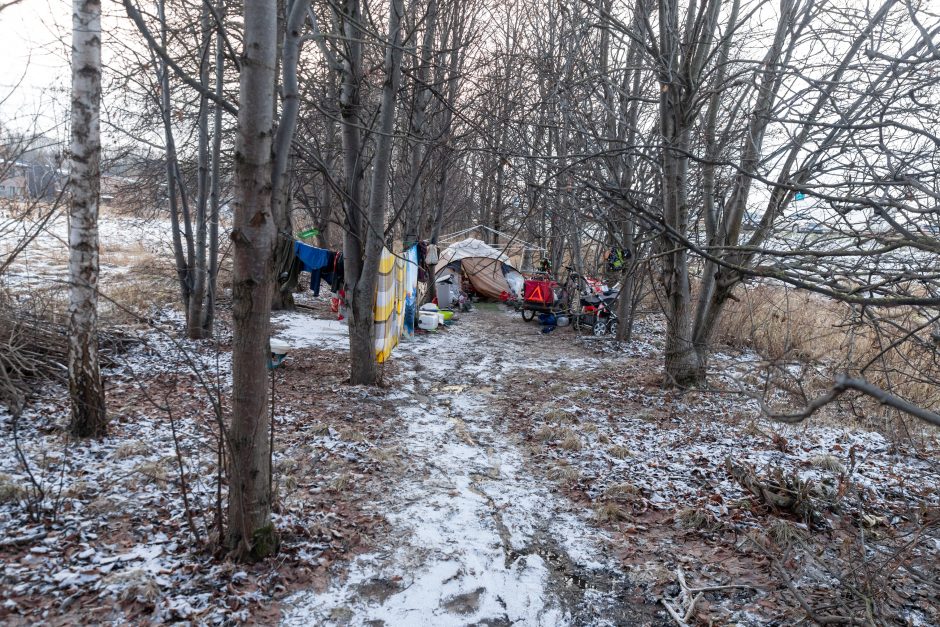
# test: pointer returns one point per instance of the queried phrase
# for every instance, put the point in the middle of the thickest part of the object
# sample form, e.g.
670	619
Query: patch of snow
469	521
304	331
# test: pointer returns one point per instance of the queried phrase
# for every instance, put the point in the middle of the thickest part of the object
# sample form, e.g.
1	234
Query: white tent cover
469	248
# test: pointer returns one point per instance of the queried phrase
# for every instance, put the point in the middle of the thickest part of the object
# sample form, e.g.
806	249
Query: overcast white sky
34	40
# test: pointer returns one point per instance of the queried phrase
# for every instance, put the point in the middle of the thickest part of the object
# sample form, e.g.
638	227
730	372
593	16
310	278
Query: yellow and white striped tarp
389	305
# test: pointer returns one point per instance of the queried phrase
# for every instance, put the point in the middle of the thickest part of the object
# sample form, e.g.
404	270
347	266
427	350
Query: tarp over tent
489	270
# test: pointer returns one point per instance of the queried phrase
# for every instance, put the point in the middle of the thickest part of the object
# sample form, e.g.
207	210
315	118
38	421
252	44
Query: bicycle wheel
528	315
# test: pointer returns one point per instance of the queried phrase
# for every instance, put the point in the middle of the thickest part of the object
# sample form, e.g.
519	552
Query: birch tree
86	390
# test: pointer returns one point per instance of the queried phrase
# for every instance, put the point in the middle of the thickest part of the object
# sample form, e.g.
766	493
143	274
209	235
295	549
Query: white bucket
428	320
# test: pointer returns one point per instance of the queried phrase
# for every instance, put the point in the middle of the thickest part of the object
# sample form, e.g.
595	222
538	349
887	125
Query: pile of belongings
430	317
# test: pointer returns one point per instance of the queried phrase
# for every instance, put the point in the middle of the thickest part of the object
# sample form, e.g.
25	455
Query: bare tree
280	177
365	217
251	533
85	386
193	200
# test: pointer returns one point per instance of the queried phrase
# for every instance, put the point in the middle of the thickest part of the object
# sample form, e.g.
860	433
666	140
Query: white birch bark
88	416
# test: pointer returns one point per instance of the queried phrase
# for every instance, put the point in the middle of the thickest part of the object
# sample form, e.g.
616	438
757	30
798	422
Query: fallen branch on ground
782	493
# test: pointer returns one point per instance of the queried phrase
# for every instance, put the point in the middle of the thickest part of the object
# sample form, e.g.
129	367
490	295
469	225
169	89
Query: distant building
14	180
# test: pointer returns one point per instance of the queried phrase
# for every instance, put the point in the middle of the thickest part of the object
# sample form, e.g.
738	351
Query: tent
489	271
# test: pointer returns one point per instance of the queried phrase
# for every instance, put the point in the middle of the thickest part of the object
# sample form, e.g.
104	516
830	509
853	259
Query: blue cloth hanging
312	260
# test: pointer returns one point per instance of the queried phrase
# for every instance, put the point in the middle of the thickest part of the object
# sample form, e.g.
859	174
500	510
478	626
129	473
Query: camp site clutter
465	271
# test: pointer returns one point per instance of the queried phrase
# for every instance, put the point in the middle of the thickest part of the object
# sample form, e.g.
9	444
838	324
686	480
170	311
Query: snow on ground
474	539
121	238
548	483
652	464
502	476
111	540
300	330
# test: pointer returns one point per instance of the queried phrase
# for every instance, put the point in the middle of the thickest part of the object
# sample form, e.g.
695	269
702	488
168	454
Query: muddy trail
476	537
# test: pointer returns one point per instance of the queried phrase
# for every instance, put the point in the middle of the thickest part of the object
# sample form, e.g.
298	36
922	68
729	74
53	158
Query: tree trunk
251	533
681	363
194	314
183	269
364	246
280	180
208	314
85	385
414	213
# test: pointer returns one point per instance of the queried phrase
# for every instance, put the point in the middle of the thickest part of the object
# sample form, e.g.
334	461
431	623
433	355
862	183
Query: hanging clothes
312	260
334	273
396	299
311	257
289	271
411	288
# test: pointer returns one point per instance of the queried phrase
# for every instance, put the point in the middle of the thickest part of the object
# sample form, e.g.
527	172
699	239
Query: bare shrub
34	347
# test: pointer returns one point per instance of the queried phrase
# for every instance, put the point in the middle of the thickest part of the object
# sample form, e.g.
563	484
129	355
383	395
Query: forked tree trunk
183	269
251	534
86	391
719	282
365	228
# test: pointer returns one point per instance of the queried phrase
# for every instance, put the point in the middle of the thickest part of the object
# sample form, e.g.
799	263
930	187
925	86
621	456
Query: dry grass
558	415
786	326
697	519
319	428
351	434
342	483
782	324
545	434
135	584
10	491
570	441
80	490
134	448
564	473
611	512
149	282
785	534
154	471
619	452
387	455
828	462
621	491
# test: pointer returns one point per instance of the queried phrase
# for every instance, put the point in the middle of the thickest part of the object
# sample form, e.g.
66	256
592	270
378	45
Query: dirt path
476	539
